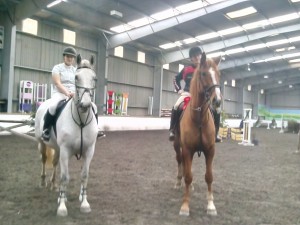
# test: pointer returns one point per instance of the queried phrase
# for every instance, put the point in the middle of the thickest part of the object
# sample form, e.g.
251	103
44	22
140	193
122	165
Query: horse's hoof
85	209
212	212
184	212
192	188
43	184
177	186
62	213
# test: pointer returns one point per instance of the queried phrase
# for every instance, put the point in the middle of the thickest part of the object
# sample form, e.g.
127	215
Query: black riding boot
100	133
48	122
217	125
174	118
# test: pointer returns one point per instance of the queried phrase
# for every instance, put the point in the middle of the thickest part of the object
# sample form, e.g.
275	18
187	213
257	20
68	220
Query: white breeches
181	98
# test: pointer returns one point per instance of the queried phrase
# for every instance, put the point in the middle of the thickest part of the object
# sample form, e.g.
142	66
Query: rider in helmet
63	77
186	75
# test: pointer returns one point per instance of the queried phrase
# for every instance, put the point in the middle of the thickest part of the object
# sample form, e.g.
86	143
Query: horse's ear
78	60
217	60
92	60
203	59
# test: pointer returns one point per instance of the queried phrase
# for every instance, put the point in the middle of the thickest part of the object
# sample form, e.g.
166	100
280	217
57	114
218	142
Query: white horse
76	134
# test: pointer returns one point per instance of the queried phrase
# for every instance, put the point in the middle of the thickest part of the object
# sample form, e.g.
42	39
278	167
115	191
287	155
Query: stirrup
101	134
218	139
171	136
46	135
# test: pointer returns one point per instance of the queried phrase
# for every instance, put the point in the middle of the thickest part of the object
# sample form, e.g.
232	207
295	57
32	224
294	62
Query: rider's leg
100	133
50	115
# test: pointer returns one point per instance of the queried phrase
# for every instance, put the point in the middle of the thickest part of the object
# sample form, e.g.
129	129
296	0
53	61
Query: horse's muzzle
84	107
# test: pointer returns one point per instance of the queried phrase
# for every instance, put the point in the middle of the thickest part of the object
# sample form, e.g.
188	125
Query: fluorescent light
253	47
241	12
233	83
189	40
290	86
273	58
291	55
190	6
225	82
215	54
261	23
278	42
280	50
287	17
294	60
291	48
294	39
262	91
295	1
279	82
266	76
207	36
170	45
231	30
54	3
249	87
214	1
234	51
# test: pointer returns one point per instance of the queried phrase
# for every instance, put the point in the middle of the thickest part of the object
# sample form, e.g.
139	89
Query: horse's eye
203	74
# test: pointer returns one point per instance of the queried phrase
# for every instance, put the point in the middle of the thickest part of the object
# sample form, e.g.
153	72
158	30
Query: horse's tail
50	155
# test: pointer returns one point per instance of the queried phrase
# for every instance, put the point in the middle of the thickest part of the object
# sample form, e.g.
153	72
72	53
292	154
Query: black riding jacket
185	74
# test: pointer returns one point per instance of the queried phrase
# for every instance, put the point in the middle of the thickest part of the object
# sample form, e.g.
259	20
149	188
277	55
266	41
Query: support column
102	66
240	98
7	79
157	87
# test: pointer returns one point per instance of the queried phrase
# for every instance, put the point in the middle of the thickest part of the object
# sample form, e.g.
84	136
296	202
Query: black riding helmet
70	51
194	51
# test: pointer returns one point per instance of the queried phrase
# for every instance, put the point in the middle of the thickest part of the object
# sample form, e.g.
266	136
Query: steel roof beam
272	78
27	8
252	73
219	45
140	32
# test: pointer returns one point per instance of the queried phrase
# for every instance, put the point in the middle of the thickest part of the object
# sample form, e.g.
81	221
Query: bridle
82	123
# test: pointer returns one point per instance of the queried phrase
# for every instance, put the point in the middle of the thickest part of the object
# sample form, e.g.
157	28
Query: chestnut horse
196	130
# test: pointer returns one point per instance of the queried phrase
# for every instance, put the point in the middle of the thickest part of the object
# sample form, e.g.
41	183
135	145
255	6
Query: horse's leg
64	180
42	148
85	206
211	209
187	158
54	163
179	162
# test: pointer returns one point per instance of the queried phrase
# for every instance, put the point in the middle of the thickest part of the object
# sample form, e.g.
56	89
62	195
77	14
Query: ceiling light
290	86
165	14
295	0
253	47
287	17
234	51
294	39
249	69
116	13
262	91
189	40
280	50
291	48
278	42
241	12
266	76
261	23
294	61
215	54
231	30
121	28
279	82
170	45
207	36
190	6
55	3
141	22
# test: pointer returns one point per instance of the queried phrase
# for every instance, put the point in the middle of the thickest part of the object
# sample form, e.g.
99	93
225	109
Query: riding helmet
70	51
195	51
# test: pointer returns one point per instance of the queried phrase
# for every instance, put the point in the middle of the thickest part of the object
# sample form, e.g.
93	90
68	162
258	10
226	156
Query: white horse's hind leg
42	148
64	180
85	206
54	163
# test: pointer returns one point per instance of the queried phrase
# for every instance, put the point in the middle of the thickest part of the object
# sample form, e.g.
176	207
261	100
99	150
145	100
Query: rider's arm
60	87
177	80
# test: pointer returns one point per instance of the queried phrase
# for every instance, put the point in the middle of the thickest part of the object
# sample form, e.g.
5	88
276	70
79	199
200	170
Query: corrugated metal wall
35	56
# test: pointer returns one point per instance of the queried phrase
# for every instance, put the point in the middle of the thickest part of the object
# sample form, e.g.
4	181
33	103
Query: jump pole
281	130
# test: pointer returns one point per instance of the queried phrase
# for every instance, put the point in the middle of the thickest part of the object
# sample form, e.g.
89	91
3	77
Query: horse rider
63	77
186	75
